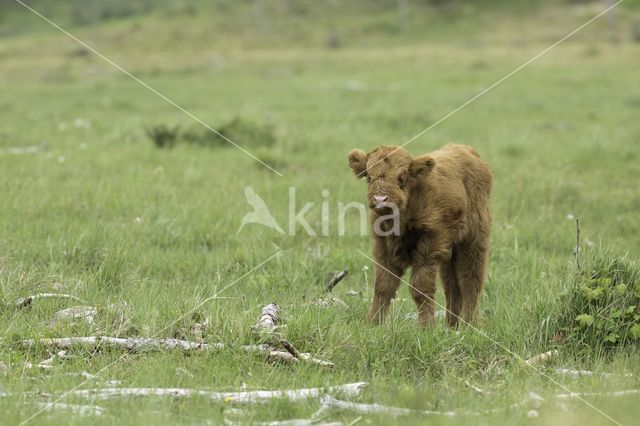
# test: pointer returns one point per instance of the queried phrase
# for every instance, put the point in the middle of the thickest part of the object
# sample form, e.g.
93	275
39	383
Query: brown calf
429	213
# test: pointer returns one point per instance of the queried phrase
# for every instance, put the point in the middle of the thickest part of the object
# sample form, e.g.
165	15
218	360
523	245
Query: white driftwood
586	373
76	409
351	389
328	403
295	422
591	394
543	357
86	313
133	344
26	301
268	320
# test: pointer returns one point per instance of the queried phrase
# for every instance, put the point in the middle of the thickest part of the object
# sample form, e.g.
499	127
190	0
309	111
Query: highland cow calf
429	212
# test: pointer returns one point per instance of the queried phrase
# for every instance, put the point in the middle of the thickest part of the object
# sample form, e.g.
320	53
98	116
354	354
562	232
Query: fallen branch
581	395
26	301
351	389
141	344
305	356
330	402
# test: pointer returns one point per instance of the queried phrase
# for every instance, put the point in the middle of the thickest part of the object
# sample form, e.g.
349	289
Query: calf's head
391	173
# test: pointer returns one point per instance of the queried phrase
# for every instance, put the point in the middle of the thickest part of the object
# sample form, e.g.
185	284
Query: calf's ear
422	165
358	162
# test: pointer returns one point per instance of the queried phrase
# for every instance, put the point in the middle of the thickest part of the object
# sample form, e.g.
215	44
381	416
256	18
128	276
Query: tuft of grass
601	310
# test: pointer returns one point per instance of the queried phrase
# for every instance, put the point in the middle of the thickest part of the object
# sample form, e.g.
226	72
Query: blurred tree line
263	15
84	12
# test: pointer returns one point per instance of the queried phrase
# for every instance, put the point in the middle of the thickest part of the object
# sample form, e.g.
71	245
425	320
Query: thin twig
305	356
26	301
576	250
335	280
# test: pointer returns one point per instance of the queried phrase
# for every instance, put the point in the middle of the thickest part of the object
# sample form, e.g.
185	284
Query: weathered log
269	317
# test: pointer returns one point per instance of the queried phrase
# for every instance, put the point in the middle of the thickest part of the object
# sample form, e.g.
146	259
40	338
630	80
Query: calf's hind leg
470	268
451	291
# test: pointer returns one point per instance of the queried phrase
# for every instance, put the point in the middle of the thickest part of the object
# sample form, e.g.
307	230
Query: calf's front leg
387	283
423	289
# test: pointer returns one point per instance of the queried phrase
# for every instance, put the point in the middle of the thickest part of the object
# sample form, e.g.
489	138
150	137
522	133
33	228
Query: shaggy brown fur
444	224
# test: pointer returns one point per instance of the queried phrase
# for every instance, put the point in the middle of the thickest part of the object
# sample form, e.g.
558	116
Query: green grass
99	212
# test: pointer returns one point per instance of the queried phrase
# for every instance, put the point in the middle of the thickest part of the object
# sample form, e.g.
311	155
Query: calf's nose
380	198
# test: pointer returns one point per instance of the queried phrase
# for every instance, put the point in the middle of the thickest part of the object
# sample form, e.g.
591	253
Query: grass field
93	209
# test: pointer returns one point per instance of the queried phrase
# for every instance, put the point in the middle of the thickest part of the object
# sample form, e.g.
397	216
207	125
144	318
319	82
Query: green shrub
243	132
163	136
246	133
601	311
